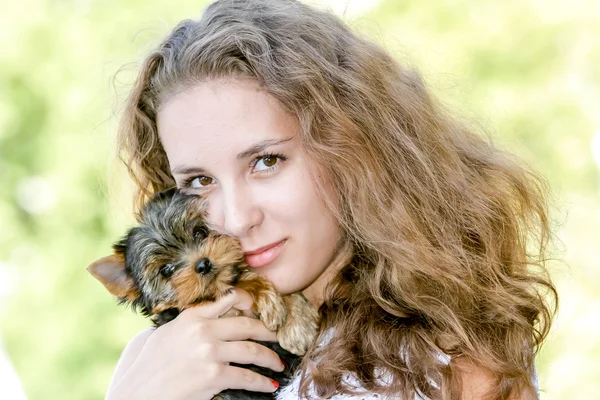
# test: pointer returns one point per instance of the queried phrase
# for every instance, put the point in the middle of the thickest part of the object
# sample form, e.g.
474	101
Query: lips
264	255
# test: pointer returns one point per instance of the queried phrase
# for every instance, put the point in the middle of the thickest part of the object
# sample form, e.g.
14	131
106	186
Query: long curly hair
450	234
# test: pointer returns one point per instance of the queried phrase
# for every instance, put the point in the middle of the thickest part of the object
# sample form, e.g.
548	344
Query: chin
286	286
280	281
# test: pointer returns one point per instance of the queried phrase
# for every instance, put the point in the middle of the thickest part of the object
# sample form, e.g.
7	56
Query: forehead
220	117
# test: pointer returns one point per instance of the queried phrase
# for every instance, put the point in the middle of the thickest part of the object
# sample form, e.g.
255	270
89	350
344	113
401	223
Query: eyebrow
252	150
260	146
185	170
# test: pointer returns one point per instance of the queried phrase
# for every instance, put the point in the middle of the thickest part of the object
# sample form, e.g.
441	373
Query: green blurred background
528	71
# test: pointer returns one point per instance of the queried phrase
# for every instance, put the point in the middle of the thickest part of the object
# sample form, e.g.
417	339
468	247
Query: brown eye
269	161
201	181
167	270
200	233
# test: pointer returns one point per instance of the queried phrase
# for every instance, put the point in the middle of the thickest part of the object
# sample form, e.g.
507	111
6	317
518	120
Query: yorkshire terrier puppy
172	261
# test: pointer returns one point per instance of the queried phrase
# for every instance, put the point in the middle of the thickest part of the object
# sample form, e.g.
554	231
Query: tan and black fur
172	261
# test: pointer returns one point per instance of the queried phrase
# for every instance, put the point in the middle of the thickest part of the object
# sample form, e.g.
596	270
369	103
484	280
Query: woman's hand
188	357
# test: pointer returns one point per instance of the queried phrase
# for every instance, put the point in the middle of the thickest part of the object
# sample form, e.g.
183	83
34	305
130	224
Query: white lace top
290	392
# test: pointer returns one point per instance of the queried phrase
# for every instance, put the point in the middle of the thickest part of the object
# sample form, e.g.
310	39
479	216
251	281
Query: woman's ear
110	271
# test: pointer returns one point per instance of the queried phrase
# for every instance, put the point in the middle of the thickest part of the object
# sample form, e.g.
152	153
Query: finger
241	378
247	313
245	352
242	328
238	299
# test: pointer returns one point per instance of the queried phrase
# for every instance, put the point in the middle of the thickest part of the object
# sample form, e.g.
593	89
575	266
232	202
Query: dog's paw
301	327
271	310
297	338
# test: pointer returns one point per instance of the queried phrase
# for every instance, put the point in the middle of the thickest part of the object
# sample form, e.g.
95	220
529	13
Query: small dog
172	261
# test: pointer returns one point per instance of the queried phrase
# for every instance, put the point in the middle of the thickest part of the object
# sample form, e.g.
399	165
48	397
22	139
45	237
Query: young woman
343	178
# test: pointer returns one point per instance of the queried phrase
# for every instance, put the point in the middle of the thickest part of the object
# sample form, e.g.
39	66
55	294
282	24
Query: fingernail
283	363
275	384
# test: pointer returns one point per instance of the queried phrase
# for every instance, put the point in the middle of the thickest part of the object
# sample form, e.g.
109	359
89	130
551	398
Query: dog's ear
110	271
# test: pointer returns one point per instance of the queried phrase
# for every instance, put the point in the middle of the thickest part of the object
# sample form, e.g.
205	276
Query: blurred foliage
528	72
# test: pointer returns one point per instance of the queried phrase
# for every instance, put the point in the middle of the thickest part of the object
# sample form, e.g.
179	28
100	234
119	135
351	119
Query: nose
203	266
239	211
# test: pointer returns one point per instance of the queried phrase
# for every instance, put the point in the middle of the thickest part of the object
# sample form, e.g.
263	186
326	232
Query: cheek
305	186
315	212
322	230
298	203
315	230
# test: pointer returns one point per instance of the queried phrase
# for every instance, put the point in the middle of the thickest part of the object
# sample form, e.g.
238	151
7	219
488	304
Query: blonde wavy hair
450	233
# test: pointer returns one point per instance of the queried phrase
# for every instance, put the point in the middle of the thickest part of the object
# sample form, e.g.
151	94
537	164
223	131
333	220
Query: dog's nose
203	266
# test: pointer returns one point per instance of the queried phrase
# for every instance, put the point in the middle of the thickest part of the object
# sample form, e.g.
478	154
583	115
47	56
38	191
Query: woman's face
231	143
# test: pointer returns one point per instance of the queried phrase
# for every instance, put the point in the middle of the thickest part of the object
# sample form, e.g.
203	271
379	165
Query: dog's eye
200	233
167	270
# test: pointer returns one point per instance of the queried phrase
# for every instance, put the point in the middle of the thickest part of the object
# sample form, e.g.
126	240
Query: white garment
290	392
